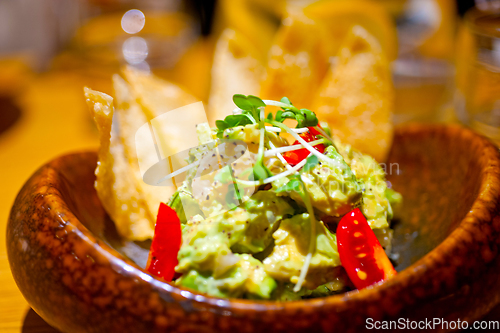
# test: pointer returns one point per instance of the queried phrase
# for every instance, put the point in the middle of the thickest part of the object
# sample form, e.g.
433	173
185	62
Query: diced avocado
246	229
333	191
258	284
246	277
265	212
395	201
375	205
250	134
229	285
200	249
292	245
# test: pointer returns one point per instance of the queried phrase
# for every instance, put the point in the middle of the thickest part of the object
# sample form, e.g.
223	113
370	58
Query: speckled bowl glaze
71	266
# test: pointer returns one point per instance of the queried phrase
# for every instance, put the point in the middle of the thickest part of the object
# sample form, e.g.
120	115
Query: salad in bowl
257	217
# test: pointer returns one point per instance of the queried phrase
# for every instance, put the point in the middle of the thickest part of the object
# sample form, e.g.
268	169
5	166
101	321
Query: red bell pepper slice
295	156
166	244
360	252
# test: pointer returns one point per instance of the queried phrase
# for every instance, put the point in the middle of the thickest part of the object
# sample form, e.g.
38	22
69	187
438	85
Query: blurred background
49	49
444	57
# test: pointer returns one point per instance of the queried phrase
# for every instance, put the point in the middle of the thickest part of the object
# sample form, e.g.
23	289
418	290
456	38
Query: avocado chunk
265	210
376	206
245	277
292	244
333	191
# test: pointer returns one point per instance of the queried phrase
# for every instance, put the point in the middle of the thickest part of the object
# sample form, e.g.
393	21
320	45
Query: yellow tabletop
54	120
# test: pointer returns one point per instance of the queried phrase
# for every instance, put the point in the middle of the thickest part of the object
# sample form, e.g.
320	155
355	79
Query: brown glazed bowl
80	277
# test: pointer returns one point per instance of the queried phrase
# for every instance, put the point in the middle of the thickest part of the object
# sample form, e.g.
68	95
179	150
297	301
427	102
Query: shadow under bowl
78	275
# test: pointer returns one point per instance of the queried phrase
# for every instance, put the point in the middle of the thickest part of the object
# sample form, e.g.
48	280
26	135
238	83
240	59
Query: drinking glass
478	73
423	72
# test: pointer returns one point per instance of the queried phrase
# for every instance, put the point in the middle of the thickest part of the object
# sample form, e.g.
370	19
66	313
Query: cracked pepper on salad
259	218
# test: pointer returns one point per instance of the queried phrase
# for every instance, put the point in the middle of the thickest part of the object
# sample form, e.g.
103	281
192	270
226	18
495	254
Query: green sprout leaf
221	125
310	118
241	101
248	103
255	101
286	101
288	115
279	116
233	121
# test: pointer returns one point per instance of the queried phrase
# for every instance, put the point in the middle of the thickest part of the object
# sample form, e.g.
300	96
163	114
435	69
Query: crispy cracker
356	96
115	183
297	62
236	69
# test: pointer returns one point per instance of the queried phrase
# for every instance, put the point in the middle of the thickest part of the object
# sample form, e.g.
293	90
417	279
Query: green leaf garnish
304	117
286	101
255	101
221	125
279	116
233	121
241	102
248	103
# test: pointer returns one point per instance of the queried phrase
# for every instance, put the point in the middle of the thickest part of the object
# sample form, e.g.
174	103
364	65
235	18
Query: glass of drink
478	73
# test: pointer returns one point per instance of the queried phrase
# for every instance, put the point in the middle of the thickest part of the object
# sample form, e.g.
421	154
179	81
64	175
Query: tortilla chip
172	113
297	62
130	117
257	23
154	95
338	17
237	69
115	183
356	97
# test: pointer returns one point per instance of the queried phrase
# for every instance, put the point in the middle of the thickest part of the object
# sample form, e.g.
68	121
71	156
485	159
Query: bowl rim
486	203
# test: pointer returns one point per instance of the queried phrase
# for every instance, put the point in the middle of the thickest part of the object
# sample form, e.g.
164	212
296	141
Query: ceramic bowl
80	276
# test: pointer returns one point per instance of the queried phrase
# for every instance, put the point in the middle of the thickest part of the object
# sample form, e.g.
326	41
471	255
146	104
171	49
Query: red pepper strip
166	244
295	156
314	131
360	252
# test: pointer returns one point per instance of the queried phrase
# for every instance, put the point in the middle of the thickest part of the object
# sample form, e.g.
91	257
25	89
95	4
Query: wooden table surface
54	120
